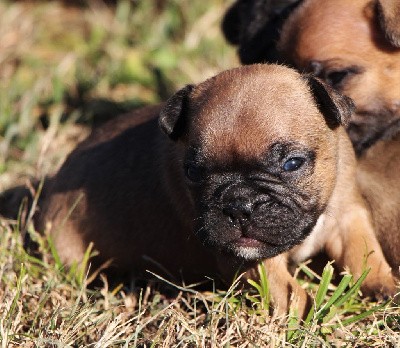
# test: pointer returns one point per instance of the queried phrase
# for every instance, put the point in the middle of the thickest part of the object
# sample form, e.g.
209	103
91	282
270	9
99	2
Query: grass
65	69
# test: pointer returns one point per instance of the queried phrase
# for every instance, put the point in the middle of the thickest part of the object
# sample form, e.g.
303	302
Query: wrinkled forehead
245	115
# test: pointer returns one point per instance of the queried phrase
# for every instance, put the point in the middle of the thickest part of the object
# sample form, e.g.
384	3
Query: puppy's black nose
238	211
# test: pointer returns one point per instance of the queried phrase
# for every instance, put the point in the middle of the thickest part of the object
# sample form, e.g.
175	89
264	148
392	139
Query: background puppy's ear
259	45
389	20
231	25
244	19
254	25
335	107
243	22
172	119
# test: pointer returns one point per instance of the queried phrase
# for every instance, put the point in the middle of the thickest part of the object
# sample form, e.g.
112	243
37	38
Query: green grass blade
363	315
336	294
263	279
324	285
321	292
353	290
255	285
83	266
54	253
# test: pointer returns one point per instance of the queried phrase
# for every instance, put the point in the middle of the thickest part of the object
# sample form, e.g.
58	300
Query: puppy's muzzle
239	204
238	212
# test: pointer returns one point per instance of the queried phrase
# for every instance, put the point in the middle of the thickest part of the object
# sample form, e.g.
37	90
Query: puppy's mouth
246	242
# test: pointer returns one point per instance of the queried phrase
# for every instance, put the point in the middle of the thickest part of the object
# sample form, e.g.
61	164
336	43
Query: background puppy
244	176
378	177
353	45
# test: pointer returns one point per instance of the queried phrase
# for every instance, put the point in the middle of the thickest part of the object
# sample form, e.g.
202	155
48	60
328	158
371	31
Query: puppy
254	165
354	46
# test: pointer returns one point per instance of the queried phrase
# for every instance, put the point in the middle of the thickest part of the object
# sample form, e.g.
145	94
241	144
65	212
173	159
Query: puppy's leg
354	245
284	290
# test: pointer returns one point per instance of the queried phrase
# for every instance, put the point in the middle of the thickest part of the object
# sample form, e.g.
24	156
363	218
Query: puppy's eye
293	164
194	173
335	78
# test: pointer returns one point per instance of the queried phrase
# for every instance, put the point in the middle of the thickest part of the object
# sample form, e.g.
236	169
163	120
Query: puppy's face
259	157
344	43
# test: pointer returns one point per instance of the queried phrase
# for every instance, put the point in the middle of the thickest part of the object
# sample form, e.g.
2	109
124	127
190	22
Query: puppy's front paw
380	289
296	301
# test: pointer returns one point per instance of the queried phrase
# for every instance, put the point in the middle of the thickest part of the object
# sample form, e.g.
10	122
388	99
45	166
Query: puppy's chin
252	250
248	253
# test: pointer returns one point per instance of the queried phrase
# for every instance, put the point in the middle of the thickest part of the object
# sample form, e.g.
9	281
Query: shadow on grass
93	112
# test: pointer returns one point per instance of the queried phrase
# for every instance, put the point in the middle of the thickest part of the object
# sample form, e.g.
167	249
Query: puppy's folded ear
335	107
389	20
172	119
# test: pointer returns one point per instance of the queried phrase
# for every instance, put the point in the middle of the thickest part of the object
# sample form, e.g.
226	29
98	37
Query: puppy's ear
335	107
172	119
389	19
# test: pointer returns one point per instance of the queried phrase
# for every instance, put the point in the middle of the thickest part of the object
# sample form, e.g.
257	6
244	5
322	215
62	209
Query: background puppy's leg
355	246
